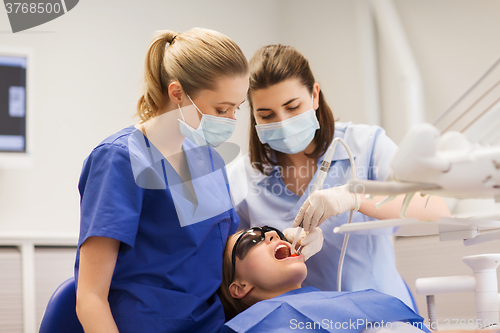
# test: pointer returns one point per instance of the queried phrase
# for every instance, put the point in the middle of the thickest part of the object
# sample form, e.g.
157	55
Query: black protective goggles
249	239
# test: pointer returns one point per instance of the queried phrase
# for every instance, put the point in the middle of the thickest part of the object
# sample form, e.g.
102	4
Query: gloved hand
324	204
312	242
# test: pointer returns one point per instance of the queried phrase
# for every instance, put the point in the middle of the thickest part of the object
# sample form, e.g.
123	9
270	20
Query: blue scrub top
170	262
325	311
369	262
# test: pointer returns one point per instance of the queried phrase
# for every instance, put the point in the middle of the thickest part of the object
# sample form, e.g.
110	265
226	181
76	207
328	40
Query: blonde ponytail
153	98
195	59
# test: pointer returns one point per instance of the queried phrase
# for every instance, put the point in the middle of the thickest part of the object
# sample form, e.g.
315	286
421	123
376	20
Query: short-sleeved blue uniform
369	262
311	310
170	261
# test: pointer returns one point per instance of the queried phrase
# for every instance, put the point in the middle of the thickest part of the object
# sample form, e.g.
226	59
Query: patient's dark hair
232	306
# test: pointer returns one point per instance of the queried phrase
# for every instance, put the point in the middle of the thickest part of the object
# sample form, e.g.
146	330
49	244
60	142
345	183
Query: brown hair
232	306
271	65
195	59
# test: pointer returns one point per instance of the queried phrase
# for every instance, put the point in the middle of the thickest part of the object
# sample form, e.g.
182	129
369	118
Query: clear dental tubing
318	184
346	236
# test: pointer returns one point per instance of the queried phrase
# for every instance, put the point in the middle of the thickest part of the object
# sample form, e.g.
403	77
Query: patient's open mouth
281	252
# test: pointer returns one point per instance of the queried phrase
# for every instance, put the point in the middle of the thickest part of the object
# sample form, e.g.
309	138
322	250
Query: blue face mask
290	136
211	131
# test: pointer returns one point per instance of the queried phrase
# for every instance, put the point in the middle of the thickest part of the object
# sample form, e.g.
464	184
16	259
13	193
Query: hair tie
171	42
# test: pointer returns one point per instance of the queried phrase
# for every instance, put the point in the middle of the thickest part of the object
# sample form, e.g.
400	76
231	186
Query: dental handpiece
317	185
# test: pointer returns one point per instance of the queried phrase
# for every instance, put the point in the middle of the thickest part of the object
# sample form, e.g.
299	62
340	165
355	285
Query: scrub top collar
340	152
197	156
155	155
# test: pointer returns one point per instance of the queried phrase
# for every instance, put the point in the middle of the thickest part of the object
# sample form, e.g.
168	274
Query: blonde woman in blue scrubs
155	206
292	126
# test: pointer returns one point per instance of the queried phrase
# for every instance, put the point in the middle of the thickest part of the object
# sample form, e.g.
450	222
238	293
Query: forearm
436	208
97	263
95	315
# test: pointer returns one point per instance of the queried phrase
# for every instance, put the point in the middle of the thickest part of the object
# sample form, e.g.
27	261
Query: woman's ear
239	290
316	91
175	92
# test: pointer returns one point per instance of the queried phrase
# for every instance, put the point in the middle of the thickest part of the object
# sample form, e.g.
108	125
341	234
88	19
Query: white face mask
292	135
211	131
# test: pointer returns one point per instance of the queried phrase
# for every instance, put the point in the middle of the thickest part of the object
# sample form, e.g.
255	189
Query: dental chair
60	314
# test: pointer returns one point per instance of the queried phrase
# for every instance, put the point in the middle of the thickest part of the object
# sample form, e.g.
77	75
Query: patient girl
261	289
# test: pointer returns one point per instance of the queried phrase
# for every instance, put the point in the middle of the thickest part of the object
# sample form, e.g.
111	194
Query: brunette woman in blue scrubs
155	207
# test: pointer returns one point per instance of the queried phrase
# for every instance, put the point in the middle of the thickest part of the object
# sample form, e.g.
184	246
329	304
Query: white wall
326	32
453	41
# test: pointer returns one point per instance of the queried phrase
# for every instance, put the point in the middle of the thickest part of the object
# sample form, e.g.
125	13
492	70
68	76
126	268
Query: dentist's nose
279	117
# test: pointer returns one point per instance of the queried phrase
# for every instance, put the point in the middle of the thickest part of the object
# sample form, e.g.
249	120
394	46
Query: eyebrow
285	104
231	104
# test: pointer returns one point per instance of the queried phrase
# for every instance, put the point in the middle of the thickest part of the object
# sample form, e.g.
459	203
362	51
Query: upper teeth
279	247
